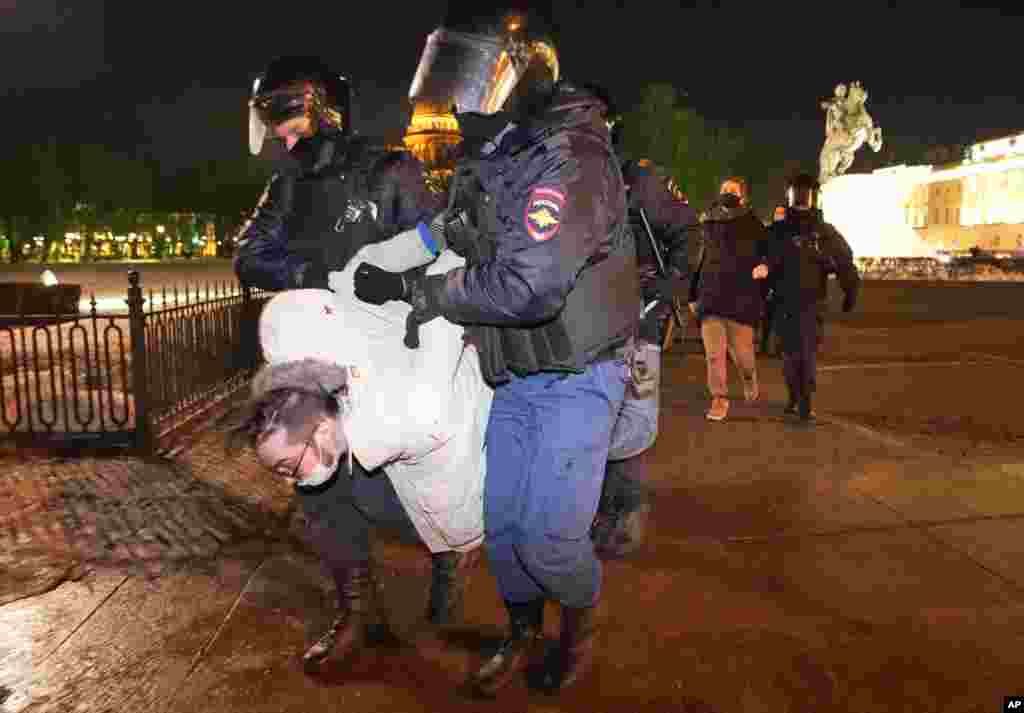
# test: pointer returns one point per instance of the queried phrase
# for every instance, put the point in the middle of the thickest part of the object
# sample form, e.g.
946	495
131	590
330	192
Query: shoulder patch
543	214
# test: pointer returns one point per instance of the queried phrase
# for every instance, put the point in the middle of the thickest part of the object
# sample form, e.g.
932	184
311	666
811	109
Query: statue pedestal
869	209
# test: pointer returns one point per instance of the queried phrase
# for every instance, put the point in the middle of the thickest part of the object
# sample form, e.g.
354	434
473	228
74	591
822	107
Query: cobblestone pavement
59	518
872	563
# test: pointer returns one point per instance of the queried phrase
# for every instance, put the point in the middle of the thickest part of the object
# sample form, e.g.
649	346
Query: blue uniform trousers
547	443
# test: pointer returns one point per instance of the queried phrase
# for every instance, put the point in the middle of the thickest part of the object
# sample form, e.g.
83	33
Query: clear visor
471	73
268	110
257	132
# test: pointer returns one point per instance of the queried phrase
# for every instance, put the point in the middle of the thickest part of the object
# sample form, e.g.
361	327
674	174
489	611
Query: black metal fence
125	379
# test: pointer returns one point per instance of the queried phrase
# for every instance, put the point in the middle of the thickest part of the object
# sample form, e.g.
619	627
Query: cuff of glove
312	275
425	295
432	235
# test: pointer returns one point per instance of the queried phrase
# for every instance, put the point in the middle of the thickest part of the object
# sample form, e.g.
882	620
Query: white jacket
420	413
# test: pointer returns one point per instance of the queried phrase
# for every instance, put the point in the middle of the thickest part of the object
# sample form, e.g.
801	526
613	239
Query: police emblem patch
543	215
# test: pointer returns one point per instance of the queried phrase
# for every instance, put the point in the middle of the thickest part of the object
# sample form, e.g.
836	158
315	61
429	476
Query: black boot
576	646
623	510
806	411
356	614
449	571
525	633
792	405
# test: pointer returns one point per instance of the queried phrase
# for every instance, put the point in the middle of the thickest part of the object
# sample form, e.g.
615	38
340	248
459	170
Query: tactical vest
600	312
332	215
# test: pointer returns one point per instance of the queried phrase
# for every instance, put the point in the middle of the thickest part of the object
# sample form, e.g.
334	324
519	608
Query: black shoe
525	634
449	571
347	634
806	412
576	645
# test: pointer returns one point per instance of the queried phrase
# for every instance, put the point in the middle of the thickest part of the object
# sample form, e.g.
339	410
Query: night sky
170	80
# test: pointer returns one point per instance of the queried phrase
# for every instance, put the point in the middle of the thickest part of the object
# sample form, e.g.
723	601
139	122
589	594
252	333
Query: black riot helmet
802	191
484	62
297	86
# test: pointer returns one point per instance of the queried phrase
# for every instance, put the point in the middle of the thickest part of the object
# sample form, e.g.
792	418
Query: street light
48	278
160	229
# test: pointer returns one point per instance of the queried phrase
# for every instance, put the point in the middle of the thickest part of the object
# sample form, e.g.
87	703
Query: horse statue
848	126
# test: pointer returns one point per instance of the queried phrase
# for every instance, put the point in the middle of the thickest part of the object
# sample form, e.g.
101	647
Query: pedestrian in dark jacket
727	291
805	251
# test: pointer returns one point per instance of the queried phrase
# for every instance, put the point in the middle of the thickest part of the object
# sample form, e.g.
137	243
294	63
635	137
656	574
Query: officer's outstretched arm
408	250
263	259
559	223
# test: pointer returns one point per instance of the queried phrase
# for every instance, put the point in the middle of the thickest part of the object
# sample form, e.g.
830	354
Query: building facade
975	204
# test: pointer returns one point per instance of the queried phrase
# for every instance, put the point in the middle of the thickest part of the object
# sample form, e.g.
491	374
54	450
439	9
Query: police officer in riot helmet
660	222
550	298
805	251
333	194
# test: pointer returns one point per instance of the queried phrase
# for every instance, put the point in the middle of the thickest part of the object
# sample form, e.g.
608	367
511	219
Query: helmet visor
257	132
464	72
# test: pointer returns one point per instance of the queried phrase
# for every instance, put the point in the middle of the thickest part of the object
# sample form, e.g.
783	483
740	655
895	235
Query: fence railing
125	379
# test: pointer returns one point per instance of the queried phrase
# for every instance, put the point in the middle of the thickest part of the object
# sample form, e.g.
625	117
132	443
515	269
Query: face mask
320	474
323	472
729	200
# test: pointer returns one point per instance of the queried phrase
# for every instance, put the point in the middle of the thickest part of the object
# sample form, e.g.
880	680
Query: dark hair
290	409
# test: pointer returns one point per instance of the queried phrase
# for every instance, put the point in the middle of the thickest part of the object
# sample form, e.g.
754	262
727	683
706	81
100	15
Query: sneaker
718	411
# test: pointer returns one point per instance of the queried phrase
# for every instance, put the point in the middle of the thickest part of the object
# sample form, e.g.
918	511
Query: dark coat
805	250
555	274
733	243
339	196
671	220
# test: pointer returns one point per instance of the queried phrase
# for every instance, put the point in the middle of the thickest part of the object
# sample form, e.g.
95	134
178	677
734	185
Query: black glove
849	301
377	286
312	275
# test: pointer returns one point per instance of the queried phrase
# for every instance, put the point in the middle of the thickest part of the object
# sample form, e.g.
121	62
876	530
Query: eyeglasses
294	474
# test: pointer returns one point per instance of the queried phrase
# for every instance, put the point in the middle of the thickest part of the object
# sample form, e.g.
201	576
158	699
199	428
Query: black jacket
733	243
805	250
340	196
672	222
554	275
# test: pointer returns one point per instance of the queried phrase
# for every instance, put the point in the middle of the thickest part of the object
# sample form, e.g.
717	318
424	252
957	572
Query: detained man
340	387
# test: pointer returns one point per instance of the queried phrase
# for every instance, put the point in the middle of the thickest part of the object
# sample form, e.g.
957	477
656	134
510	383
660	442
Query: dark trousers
625	485
801	329
340	518
771	307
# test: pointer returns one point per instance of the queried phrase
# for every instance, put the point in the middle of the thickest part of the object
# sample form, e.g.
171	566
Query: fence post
140	381
249	329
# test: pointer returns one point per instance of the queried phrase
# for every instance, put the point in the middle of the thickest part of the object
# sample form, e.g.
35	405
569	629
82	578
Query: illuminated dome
432	134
